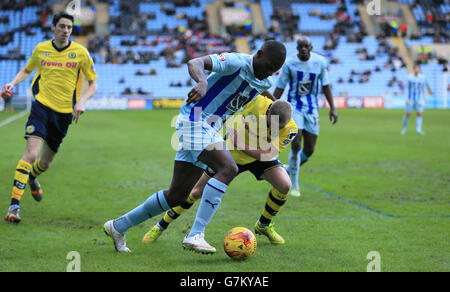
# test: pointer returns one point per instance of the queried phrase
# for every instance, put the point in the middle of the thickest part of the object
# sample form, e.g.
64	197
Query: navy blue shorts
47	124
257	168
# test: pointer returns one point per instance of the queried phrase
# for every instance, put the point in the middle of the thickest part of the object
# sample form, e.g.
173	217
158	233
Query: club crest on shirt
304	87
72	55
29	129
238	101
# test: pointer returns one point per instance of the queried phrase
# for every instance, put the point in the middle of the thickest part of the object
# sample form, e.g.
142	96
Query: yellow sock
175	212
275	200
20	179
37	169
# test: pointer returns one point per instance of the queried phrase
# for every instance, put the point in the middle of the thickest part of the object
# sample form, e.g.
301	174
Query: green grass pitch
366	188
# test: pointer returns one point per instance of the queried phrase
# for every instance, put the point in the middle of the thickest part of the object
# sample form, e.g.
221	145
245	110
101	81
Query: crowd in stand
6	37
184	43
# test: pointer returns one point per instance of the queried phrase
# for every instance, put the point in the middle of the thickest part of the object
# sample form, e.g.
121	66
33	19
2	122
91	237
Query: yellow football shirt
251	124
57	84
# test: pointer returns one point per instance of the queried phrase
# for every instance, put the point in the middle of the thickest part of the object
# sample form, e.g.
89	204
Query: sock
295	161
20	181
37	169
275	200
293	168
175	212
405	123
154	205
211	198
419	124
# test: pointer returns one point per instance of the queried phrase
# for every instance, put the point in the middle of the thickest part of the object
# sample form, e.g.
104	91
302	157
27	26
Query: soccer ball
5	94
239	243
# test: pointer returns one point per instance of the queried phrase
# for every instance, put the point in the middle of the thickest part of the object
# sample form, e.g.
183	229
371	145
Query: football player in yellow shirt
58	101
255	149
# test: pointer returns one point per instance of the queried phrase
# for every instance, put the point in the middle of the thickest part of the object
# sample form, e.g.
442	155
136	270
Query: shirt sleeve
324	74
34	61
287	136
87	66
225	63
284	78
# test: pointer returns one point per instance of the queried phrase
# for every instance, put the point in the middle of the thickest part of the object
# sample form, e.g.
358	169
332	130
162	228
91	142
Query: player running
253	120
303	73
57	90
235	81
416	99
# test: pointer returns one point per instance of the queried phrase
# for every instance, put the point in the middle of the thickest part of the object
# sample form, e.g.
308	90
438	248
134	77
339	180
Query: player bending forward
236	80
254	119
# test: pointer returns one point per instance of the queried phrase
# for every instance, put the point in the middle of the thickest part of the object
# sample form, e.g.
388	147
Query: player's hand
8	88
197	92
78	110
407	102
333	116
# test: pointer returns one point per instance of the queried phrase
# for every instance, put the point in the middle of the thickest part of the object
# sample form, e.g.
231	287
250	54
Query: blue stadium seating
110	75
314	23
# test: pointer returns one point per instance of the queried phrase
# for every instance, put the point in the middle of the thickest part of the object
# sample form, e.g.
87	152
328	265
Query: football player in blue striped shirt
235	80
415	99
303	72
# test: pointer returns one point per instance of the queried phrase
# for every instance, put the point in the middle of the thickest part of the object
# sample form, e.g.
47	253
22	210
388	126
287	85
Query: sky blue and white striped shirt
416	88
303	79
231	85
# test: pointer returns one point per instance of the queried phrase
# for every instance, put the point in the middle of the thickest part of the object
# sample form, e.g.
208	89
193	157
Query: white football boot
119	239
198	244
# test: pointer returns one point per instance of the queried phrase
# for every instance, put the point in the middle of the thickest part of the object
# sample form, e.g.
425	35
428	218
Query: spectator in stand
394	27
429	17
403	29
423	54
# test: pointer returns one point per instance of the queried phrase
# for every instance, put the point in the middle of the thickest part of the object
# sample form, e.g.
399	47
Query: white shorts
305	121
194	137
415	105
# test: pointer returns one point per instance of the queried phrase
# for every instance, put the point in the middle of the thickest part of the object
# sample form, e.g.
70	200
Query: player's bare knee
227	173
284	187
30	156
45	164
231	171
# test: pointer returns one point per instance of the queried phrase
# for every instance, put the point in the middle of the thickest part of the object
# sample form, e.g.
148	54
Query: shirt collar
62	49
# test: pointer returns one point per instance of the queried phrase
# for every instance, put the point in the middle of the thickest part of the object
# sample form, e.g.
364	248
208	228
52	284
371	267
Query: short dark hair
274	49
60	15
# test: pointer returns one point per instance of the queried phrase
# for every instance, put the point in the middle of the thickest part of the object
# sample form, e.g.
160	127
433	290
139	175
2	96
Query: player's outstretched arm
20	77
78	109
329	97
196	68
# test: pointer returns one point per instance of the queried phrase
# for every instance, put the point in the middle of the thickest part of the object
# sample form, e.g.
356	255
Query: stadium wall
144	103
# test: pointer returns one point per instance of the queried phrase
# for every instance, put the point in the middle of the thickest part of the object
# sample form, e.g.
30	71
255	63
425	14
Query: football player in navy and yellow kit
245	141
58	101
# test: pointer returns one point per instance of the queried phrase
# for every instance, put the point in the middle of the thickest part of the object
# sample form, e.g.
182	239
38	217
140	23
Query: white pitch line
13	118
